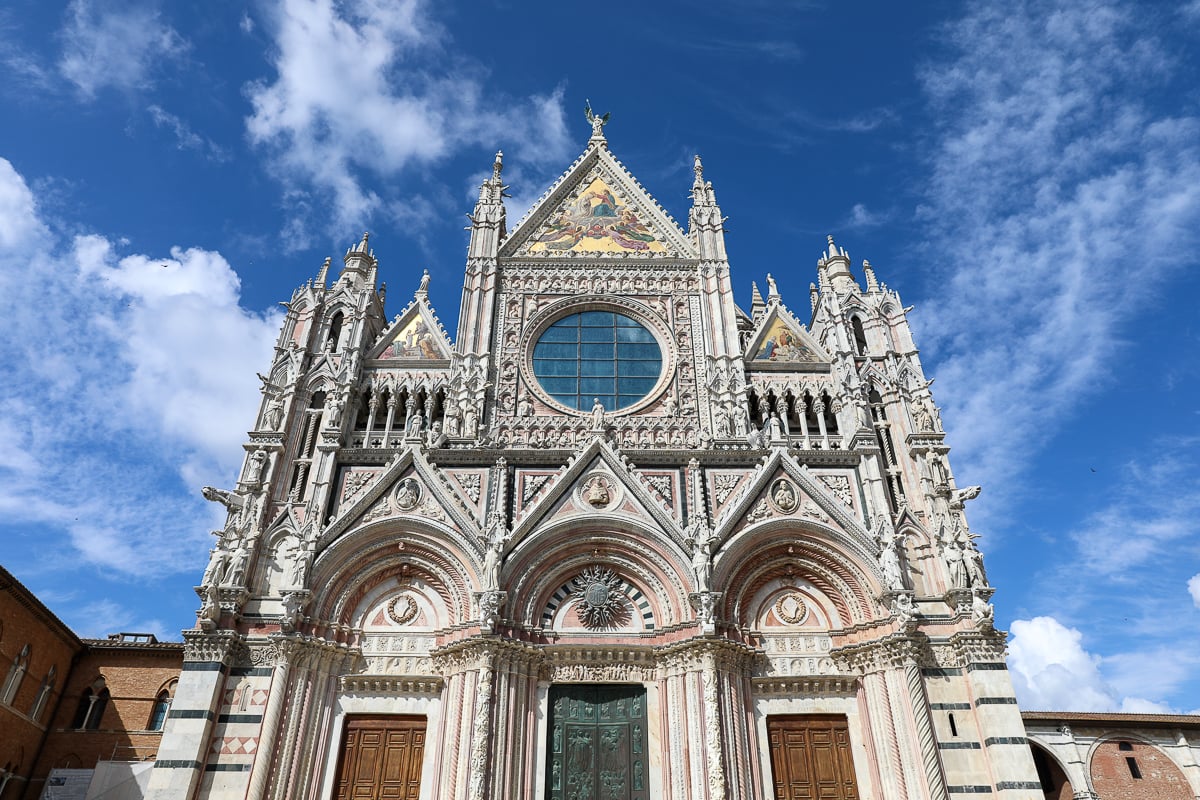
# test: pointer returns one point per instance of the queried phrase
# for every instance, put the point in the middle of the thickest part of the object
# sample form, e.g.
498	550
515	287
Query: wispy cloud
1059	203
127	392
185	137
367	89
116	45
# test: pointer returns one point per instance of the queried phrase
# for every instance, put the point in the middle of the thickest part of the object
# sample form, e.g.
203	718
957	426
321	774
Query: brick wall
25	621
133	674
1113	780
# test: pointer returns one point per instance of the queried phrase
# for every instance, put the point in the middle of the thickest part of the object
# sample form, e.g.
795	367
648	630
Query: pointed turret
757	306
836	267
359	263
872	283
488	219
323	274
706	224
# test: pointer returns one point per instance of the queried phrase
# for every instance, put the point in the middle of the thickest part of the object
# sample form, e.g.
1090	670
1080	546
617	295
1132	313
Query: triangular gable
414	335
435	500
597	209
755	502
780	338
629	494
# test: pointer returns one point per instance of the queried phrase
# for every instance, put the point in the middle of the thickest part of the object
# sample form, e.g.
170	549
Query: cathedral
615	539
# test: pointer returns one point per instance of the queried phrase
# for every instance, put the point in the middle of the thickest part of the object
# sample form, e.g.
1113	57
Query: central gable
597	209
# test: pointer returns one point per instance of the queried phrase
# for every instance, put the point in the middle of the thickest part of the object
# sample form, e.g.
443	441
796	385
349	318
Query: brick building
70	705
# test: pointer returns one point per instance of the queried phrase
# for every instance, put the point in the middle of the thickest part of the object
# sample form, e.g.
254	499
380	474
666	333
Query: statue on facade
416	424
435	437
524	407
702	563
235	572
299	567
775	430
218	561
423	286
982	611
973	563
273	416
491	563
905	611
334	417
597	414
953	556
255	467
450	415
889	561
470	421
921	416
210	610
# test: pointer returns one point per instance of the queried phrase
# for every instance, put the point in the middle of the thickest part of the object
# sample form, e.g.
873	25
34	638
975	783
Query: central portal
597	743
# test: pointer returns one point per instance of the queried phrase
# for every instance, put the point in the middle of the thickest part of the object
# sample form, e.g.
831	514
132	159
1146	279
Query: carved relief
791	609
783	495
839	487
402	609
598	599
408	494
723	486
599	491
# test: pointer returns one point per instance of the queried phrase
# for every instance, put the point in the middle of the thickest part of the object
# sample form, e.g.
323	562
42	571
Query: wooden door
381	758
810	757
597	743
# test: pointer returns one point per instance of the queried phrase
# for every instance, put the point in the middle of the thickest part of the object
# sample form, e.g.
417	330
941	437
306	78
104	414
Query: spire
705	222
323	274
836	265
872	282
359	262
757	307
488	226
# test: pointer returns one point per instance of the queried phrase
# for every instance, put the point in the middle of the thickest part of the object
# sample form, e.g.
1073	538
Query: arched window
333	341
43	695
860	336
91	707
158	714
16	673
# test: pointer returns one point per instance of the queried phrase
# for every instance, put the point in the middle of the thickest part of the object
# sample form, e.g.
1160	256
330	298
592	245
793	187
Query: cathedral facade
617	538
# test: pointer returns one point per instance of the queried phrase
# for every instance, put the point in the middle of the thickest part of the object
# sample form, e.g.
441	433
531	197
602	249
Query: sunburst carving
598	598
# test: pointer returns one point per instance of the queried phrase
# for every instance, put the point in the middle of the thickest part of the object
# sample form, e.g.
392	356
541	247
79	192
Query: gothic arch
358	560
551	557
750	560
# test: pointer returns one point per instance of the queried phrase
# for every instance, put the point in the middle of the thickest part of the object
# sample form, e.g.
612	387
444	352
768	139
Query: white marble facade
759	519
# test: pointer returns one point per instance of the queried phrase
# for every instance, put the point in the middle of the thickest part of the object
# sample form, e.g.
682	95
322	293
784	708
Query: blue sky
1028	178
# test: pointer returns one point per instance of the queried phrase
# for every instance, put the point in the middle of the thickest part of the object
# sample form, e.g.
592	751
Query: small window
90	710
1134	772
860	336
16	673
43	695
953	727
158	715
1126	746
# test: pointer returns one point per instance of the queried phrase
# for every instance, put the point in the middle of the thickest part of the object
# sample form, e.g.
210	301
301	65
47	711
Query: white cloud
130	383
366	89
115	44
1051	670
1193	586
1059	203
185	137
